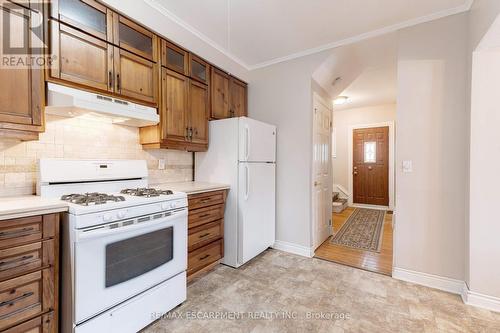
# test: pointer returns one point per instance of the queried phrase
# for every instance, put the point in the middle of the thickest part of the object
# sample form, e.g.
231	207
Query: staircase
339	204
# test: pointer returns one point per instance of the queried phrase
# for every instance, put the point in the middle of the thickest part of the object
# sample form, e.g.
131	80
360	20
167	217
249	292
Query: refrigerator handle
247	142
247	182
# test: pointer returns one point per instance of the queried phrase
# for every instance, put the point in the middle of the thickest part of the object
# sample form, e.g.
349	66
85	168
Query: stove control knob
107	217
121	215
164	206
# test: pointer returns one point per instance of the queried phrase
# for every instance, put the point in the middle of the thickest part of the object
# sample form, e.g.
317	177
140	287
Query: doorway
371	166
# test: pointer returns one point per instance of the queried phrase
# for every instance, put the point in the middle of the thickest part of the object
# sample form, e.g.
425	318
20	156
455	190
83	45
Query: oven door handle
99	232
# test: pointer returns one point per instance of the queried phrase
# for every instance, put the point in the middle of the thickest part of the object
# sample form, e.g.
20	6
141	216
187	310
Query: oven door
115	262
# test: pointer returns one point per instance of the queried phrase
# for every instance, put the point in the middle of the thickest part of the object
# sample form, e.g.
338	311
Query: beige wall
282	95
483	277
87	139
344	120
431	131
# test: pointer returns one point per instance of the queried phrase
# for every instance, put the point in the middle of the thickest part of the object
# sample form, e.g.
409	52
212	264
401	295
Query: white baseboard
294	248
480	300
429	280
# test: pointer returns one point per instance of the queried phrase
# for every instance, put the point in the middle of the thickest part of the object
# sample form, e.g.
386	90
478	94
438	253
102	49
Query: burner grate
94	198
145	192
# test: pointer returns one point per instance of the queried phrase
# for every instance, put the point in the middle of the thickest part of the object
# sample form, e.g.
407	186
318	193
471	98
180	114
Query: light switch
161	164
407	166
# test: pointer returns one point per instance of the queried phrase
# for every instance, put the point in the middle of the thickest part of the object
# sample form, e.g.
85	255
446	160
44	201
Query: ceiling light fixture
340	100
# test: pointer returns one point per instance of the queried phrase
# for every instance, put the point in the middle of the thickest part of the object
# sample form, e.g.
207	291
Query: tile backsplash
85	139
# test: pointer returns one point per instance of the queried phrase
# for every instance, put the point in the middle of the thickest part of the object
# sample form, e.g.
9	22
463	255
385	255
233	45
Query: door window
370	152
135	256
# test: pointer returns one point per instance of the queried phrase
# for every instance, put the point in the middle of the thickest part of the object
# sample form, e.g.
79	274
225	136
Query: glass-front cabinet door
134	38
174	58
198	69
86	15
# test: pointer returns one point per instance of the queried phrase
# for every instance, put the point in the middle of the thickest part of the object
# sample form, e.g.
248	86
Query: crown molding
164	11
347	41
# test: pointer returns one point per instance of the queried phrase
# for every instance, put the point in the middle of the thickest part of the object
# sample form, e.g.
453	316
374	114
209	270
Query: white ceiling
368	72
261	32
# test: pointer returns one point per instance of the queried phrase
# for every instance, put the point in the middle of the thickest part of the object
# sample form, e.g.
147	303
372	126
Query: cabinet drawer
205	199
20	298
205	215
205	234
205	256
22	259
18	231
42	324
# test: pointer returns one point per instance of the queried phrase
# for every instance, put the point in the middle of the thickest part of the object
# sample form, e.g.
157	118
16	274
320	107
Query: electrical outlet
162	164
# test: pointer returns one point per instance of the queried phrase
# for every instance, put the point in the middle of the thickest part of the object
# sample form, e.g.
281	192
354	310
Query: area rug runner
363	230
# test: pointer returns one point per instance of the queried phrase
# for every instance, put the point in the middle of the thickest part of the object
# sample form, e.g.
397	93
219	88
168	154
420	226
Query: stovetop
94	198
146	192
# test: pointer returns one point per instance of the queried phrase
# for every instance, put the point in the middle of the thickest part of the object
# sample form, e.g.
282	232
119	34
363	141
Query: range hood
70	102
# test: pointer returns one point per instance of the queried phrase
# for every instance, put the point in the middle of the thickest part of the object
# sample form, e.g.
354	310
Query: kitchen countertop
30	205
192	187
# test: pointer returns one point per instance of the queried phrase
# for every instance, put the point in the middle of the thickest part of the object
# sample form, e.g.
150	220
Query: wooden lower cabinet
205	231
29	270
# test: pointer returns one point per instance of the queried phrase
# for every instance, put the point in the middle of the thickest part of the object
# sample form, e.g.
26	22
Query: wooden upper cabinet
135	77
174	57
21	88
219	94
198	112
86	15
238	98
198	69
134	38
174	106
82	59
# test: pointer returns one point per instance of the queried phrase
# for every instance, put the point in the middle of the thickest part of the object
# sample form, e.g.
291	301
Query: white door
256	213
257	141
322	179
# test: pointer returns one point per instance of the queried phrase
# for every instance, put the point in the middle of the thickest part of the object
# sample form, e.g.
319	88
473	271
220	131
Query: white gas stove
124	244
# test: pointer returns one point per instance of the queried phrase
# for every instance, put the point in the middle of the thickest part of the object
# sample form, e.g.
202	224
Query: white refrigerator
242	154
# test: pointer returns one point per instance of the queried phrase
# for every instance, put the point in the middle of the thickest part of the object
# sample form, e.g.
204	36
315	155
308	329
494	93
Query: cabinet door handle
118	83
110	80
187	134
205	256
190	133
17	299
8	263
16	233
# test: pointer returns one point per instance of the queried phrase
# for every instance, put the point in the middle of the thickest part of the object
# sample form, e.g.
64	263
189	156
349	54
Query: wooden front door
371	166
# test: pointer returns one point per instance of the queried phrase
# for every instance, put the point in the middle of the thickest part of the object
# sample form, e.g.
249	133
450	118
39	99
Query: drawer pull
17	299
204	235
205	257
8	263
205	200
16	233
204	215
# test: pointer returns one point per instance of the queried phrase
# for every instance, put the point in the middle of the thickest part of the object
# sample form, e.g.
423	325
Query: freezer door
257	141
256	213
